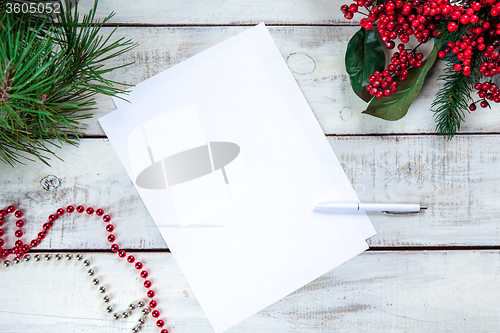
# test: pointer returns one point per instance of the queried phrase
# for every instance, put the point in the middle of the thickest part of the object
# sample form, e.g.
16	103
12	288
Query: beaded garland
20	250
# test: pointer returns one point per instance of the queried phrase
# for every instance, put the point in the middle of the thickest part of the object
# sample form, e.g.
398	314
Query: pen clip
399	213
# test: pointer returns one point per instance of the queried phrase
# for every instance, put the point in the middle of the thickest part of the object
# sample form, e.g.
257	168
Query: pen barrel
367	207
398	208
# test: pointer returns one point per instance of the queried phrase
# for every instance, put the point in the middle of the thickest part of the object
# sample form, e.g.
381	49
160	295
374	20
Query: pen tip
423	207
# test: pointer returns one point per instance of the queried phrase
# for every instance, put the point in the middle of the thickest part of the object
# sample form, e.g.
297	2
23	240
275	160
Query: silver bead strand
95	281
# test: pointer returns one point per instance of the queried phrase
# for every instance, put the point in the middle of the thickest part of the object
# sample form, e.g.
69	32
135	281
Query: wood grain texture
315	55
456	179
411	291
222	12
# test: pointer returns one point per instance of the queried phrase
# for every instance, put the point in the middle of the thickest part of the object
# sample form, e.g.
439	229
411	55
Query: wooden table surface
432	272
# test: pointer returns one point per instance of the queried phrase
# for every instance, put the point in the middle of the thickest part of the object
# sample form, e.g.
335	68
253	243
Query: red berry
452	26
457	67
464	19
441	54
353	8
484	104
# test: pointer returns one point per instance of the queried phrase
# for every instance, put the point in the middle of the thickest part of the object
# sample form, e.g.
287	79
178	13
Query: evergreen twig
51	68
454	98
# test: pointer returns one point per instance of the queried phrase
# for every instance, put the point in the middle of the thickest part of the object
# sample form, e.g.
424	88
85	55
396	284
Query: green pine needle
454	98
51	69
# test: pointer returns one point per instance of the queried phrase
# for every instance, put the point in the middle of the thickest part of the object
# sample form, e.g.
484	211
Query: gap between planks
392	249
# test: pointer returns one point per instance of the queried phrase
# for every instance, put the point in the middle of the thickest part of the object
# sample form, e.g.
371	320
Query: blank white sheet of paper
231	163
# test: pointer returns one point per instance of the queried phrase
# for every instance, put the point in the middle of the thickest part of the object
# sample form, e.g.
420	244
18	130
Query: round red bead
160	323
110	228
2	232
26	247
153	303
34	243
5	253
19	223
147	284
18	233
130	259
122	253
1	242
111	238
164	331
46	226
52	218
106	218
3	212
42	234
115	247
70	209
99	212
80	209
60	212
18	214
19	243
151	293
11	209
1	222
155	313
90	210
144	274
138	265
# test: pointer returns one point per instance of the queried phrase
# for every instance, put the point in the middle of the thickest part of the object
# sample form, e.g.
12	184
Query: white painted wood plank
315	56
456	179
436	291
222	12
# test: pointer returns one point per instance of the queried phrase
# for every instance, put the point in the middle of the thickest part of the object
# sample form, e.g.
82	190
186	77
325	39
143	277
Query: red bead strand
20	248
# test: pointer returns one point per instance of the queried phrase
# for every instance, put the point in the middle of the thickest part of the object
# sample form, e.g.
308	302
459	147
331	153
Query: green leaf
396	105
363	57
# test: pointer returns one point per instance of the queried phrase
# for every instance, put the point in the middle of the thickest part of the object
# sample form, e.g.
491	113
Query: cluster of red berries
486	90
396	19
382	83
482	38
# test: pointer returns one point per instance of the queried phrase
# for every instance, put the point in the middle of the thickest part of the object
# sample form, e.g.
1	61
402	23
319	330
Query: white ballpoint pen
331	206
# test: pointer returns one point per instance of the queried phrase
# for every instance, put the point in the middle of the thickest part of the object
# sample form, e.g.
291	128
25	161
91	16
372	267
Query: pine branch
51	68
454	98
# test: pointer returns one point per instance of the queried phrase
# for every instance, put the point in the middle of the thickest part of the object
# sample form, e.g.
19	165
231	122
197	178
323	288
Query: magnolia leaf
396	105
363	57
